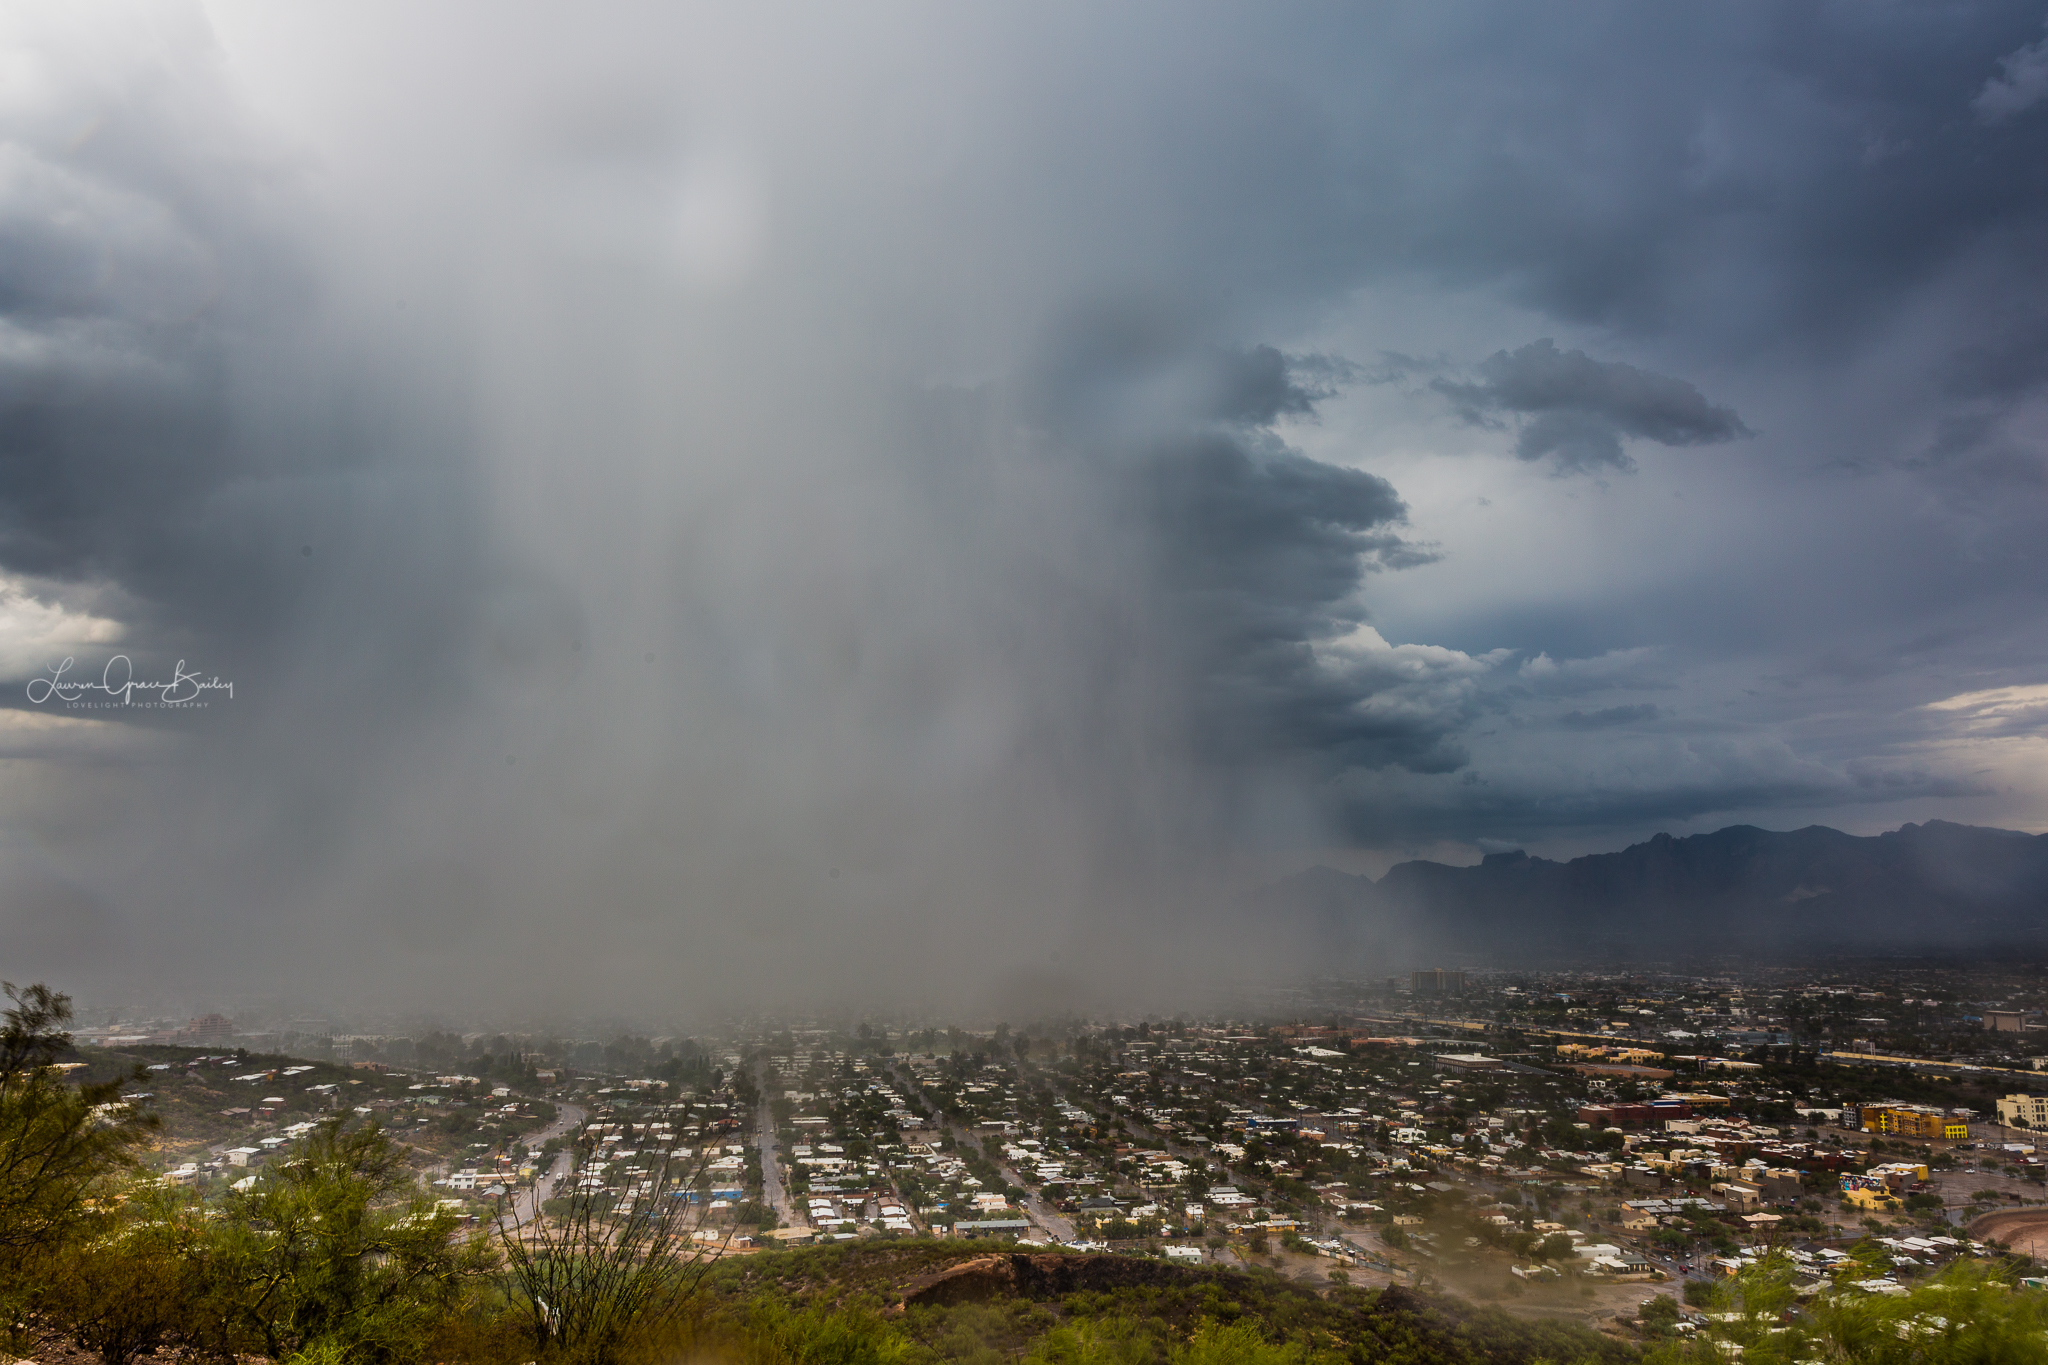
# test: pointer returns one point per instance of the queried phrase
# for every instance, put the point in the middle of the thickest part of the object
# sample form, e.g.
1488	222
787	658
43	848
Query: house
1740	1194
993	1227
1781	1185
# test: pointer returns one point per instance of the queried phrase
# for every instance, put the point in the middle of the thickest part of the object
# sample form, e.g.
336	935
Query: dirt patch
1044	1276
2025	1230
54	1348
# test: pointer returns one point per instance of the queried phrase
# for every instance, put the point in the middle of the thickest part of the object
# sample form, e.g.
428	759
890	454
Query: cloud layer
703	507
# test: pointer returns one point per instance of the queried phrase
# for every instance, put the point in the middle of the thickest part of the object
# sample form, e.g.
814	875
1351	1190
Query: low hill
212	1100
965	1302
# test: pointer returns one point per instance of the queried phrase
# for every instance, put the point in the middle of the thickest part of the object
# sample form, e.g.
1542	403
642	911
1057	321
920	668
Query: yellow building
1915	1121
1592	1051
1864	1197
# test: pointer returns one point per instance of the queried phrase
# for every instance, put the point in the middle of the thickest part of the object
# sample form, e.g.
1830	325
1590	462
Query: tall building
209	1028
1436	981
2024	1111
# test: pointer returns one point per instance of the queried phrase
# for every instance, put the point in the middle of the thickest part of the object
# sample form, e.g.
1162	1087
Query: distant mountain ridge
1936	887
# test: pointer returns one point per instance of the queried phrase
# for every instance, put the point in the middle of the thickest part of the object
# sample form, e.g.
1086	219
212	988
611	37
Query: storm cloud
1610	715
702	508
2021	83
1579	409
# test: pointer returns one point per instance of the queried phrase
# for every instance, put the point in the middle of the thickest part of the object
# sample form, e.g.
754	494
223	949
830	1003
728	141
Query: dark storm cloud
638	595
1610	715
1134	372
1697	781
1263	534
2021	83
153	281
2007	360
1257	387
1253	552
1263	554
1579	409
111	391
1801	173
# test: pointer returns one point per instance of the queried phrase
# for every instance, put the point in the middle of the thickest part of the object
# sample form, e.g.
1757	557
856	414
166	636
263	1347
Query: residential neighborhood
1574	1142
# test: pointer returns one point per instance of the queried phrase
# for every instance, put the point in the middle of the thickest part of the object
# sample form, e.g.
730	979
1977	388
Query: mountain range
1932	888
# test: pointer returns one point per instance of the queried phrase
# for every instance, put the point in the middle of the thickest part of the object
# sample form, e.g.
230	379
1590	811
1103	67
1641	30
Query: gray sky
820	500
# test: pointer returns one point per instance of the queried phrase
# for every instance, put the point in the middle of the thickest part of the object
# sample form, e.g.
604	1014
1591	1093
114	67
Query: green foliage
1111	1341
1965	1314
134	1281
1660	1314
335	1257
1171	1310
337	1250
61	1146
58	1143
603	1272
775	1335
753	1213
1238	1344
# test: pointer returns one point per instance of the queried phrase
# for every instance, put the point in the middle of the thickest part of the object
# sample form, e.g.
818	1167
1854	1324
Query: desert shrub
337	1249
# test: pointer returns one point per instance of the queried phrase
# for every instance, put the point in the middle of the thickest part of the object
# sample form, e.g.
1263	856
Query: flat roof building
1436	981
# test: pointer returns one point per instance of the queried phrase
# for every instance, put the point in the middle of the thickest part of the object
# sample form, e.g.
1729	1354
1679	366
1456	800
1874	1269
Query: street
772	1190
526	1204
1056	1225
